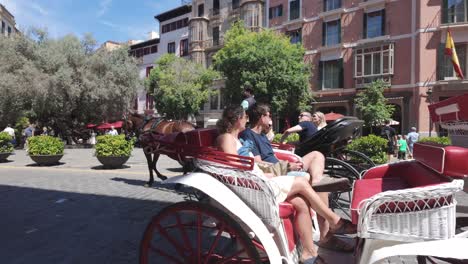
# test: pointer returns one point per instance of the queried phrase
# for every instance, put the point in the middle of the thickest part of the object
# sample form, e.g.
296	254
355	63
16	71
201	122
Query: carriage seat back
445	160
203	137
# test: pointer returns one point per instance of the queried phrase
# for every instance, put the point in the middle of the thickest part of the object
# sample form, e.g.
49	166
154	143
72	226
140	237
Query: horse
154	127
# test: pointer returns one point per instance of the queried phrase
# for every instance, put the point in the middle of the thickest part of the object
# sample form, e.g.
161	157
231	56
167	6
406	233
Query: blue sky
117	20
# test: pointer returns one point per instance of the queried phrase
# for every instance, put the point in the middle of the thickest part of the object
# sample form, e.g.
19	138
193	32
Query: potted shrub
45	150
6	148
113	151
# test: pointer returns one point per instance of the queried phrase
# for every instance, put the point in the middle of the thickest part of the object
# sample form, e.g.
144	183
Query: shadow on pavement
53	165
46	226
102	167
6	161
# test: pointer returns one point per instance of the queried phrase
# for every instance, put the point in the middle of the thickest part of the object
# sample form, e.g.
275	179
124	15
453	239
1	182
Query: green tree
64	83
373	105
270	63
180	87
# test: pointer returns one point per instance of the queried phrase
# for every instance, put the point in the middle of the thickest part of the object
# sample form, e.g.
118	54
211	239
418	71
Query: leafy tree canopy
373	105
270	63
180	87
64	83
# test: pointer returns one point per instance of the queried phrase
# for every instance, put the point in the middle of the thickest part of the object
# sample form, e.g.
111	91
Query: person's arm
294	129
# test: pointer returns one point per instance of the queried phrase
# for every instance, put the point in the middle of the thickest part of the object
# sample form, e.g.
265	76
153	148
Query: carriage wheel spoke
232	258
176	245
185	237
199	245
215	242
164	254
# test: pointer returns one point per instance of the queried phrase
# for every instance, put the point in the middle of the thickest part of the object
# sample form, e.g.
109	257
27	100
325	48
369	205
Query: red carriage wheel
193	232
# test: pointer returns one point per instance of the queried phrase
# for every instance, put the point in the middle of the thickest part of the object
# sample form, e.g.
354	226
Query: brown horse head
167	127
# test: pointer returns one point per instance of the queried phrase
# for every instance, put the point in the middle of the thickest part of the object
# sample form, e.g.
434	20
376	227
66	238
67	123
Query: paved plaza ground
77	212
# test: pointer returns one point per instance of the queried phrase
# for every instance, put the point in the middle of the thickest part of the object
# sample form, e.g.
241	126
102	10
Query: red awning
117	124
333	116
91	126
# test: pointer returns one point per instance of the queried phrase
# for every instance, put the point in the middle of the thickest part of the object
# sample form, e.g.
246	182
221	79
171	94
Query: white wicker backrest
253	188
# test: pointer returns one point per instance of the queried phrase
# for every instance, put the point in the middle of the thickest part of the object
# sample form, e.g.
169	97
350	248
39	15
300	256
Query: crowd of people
401	145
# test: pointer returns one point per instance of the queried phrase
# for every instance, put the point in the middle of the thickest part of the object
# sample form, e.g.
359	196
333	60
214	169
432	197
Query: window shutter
270	13
364	26
320	76
444	11
383	22
339	30
324	26
440	62
341	74
280	12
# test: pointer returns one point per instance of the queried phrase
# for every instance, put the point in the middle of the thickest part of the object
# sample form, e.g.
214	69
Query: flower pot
4	156
46	160
112	162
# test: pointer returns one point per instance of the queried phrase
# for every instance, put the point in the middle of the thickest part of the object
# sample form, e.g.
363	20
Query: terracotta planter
4	156
113	162
46	160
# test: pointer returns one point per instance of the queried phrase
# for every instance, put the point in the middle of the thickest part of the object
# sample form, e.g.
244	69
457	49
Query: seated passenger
295	190
318	118
306	128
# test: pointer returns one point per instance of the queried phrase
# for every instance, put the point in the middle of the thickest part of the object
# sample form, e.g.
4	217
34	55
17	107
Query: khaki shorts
277	169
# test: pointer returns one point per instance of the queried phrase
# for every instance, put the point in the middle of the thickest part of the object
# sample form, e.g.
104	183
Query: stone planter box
46	160
4	156
113	162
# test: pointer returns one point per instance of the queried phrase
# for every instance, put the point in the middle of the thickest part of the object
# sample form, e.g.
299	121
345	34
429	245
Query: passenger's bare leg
303	226
324	226
302	187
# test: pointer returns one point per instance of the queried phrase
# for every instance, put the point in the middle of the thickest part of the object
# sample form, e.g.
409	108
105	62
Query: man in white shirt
10	132
113	131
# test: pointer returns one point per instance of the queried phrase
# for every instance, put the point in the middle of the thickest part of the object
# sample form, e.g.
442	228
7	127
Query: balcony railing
213	12
213	43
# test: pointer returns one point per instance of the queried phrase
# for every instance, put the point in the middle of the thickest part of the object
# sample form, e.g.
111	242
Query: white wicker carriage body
253	189
415	214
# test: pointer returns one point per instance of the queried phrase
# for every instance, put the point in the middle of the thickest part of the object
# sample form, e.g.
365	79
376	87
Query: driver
306	128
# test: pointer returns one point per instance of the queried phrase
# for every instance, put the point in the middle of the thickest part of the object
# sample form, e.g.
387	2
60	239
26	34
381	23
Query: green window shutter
324	33
339	30
341	74
270	13
320	76
383	22
364	26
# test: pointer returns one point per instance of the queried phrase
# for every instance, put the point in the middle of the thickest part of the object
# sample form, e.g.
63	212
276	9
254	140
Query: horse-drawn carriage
236	219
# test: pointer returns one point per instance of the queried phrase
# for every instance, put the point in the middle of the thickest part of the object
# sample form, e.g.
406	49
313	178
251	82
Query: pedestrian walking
412	138
249	99
402	148
28	132
10	132
389	133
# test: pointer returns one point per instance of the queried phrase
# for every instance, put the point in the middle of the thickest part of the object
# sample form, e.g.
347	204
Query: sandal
344	227
336	244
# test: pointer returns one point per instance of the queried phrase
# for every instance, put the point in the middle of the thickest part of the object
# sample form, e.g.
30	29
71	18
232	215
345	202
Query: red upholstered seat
450	161
204	137
287	156
287	213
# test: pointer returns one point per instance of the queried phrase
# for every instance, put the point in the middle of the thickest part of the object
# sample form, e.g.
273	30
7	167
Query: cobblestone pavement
77	212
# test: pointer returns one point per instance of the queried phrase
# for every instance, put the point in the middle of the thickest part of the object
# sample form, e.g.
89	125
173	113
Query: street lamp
429	98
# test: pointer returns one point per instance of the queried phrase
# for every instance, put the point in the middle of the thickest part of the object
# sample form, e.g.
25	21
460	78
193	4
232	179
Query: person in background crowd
318	118
113	131
412	138
10	132
306	128
45	131
249	99
389	134
28	132
402	148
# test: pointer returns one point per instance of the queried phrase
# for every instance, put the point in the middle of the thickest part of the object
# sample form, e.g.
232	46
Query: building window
154	48
372	63
184	47
148	71
214	99
454	11
374	24
3	27
9	31
175	25
201	10
331	74
215	36
146	51
331	4
331	33
215	7
294	9
444	62
275	11
171	47
295	36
